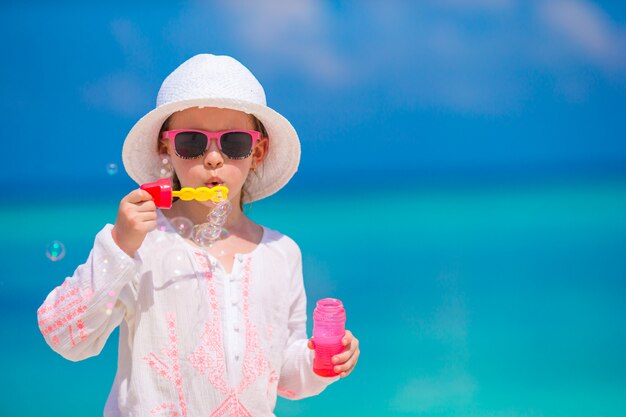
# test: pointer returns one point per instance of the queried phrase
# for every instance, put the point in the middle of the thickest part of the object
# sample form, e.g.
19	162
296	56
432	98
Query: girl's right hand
136	217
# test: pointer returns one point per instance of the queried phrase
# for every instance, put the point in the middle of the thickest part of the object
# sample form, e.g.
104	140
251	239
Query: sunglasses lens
190	144
236	145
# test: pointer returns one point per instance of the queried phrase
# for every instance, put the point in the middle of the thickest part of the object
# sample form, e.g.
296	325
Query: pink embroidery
81	332
231	406
165	407
272	380
81	329
286	392
170	367
71	336
209	357
69	304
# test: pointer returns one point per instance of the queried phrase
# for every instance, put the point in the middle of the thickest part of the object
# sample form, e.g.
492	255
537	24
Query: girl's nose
213	158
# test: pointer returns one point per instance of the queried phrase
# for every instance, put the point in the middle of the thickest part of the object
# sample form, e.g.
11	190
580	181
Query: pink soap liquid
329	327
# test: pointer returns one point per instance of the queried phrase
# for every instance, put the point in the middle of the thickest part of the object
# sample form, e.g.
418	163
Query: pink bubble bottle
329	327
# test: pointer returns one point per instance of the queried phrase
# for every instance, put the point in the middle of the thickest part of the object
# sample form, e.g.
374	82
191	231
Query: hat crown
207	76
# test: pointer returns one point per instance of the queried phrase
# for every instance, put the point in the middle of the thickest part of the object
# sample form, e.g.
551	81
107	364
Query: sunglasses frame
217	135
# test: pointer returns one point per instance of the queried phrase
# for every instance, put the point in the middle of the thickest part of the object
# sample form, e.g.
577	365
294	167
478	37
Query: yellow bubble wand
162	193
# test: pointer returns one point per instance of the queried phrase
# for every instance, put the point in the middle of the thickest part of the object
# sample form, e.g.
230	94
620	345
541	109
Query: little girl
207	327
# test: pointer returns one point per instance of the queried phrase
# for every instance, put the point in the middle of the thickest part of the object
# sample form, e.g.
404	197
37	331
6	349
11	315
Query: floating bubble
219	213
167	170
109	311
162	226
211	233
217	218
201	240
55	251
183	226
112	169
111	293
207	233
109	306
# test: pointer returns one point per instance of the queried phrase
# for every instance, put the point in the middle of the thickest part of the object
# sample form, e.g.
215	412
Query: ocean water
474	300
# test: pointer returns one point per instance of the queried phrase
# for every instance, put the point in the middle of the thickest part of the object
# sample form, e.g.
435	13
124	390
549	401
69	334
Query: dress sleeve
297	379
78	316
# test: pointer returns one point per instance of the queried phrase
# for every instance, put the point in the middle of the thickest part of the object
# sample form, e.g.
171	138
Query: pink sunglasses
190	143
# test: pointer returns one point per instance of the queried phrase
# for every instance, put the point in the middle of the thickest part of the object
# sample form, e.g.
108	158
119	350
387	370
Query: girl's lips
214	182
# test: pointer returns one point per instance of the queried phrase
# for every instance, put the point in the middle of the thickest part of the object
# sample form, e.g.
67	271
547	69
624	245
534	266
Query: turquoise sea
497	299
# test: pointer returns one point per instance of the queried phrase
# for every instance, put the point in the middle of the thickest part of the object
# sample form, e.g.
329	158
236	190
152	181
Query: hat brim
142	162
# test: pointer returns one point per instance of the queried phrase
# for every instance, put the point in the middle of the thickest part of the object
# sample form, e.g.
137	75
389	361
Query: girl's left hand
346	361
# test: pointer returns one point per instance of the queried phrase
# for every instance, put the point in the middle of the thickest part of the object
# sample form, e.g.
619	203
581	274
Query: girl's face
214	168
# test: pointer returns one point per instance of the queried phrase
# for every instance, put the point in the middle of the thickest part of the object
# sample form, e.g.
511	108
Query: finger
347	338
145	216
345	355
137	196
346	368
146	206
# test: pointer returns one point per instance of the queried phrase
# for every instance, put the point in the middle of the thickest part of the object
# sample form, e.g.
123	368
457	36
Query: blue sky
426	89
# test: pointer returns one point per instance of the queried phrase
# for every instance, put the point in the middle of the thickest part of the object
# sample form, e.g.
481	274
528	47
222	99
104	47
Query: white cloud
293	37
587	30
477	5
137	50
492	65
126	91
123	93
434	57
481	56
298	33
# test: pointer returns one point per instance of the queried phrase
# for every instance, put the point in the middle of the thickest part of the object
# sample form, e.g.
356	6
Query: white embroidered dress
194	340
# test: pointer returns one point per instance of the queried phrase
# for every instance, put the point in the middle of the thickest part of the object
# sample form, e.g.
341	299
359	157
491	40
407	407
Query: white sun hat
214	81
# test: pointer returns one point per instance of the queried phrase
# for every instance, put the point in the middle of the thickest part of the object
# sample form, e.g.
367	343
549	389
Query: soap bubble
219	213
112	169
167	170
211	233
183	226
213	230
55	251
200	239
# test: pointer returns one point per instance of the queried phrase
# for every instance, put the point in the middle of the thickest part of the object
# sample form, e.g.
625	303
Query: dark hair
176	182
